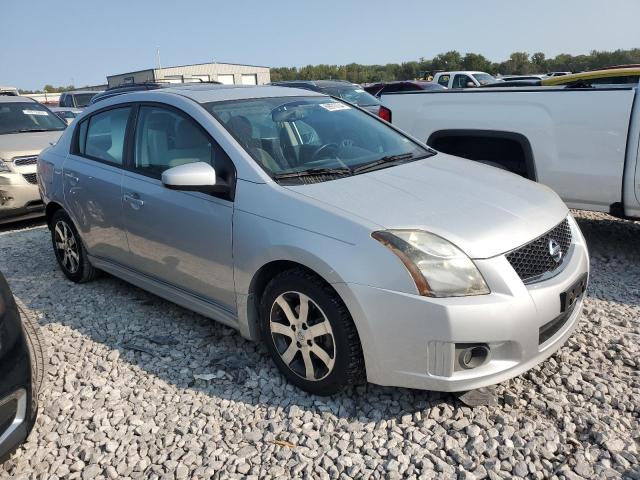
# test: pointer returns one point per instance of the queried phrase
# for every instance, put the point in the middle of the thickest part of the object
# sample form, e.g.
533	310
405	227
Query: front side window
293	135
20	117
166	139
460	81
444	80
101	137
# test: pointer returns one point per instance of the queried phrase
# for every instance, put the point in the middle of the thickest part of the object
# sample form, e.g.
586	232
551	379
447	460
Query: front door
180	238
92	179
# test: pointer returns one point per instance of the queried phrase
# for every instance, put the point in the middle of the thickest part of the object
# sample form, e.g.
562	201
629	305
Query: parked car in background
580	141
377	89
13	91
26	127
599	78
347	91
22	371
352	250
507	78
557	74
78	98
463	79
66	113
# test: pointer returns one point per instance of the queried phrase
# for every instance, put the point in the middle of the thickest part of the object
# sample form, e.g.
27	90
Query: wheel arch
248	303
476	144
50	210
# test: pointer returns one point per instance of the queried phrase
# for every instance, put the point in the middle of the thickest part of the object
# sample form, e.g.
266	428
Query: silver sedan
352	250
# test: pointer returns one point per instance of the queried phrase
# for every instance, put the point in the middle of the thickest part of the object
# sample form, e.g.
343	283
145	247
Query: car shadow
193	352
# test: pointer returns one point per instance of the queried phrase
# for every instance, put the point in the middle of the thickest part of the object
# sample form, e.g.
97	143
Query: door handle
71	176
133	200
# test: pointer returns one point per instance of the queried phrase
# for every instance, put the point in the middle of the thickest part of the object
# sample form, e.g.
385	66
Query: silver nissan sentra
352	250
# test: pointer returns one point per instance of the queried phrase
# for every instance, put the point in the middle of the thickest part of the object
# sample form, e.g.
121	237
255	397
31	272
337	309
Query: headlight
4	167
438	267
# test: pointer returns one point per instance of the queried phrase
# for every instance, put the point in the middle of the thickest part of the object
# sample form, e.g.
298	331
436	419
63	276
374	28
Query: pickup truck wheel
69	250
310	333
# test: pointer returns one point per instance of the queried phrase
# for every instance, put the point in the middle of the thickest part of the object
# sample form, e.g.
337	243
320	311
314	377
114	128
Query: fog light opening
473	356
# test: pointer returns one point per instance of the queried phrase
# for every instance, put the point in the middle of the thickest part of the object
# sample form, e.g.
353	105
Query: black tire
348	361
83	271
37	353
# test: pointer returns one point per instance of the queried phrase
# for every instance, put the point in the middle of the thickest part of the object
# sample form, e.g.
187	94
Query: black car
22	363
377	89
347	91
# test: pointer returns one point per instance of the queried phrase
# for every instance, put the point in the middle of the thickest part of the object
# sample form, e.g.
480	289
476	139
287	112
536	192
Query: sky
83	41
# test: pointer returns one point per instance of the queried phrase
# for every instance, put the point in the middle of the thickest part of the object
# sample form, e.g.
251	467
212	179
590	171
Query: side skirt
168	292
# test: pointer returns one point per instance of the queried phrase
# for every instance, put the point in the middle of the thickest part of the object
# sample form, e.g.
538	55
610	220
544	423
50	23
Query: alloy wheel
67	247
302	335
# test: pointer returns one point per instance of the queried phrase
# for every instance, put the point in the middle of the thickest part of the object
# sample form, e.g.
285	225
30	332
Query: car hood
483	210
27	143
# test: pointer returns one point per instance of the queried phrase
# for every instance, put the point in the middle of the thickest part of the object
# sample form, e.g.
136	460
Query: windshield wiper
314	172
385	161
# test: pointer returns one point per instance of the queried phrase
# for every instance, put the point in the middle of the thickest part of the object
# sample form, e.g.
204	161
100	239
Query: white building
227	73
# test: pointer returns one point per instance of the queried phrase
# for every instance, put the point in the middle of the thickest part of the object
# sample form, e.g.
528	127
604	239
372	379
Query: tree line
519	63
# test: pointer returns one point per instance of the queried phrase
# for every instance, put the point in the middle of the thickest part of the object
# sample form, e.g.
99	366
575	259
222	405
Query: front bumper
409	340
18	197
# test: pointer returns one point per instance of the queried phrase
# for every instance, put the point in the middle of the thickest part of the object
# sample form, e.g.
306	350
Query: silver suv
352	250
26	127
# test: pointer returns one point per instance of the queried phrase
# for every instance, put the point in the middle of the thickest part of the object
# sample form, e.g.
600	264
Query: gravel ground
141	388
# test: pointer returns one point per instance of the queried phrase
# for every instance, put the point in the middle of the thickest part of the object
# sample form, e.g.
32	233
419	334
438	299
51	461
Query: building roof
185	65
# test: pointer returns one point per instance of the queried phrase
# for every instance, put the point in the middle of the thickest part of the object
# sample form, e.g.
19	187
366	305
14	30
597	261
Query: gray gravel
141	388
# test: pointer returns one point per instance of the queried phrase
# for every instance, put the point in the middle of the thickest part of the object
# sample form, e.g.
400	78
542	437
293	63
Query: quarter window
444	80
104	137
166	139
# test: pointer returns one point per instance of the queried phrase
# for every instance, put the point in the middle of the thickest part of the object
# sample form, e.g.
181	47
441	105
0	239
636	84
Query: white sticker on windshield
335	106
42	113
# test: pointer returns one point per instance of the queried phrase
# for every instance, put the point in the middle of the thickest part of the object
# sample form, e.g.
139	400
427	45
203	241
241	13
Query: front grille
20	161
534	259
30	177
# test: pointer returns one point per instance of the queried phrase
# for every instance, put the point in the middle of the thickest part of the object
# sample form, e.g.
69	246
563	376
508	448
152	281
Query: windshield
16	117
485	78
293	135
83	99
357	96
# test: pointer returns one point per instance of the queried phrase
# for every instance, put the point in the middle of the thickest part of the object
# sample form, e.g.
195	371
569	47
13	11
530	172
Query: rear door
92	179
180	238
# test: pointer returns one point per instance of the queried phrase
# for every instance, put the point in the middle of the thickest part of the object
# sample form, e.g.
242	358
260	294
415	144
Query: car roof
203	93
15	99
453	72
317	83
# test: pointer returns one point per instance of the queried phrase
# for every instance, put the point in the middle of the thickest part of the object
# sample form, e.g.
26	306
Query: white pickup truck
583	143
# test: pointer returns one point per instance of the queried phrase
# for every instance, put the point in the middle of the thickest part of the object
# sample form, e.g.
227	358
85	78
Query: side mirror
194	177
471	85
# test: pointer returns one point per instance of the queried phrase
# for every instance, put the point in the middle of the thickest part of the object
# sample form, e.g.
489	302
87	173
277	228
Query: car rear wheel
310	333
69	250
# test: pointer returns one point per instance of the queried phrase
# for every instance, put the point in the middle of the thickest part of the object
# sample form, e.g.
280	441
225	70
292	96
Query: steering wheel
323	149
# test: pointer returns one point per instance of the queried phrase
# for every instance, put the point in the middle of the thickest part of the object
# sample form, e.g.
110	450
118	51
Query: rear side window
165	139
101	137
444	80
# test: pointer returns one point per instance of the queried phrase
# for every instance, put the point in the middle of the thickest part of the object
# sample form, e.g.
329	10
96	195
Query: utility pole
158	60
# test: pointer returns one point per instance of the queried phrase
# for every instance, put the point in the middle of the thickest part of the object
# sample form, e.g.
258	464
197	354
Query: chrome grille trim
21	161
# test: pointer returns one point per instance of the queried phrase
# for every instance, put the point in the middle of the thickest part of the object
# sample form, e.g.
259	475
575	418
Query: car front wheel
310	333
